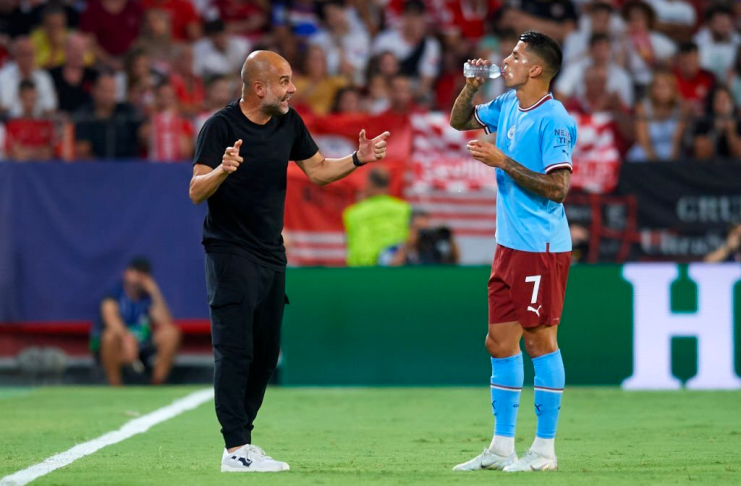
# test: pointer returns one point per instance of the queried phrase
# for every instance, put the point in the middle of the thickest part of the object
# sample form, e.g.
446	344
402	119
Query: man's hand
478	81
149	285
231	159
372	150
487	153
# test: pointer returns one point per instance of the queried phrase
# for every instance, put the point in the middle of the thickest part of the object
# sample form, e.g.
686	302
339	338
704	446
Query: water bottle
483	71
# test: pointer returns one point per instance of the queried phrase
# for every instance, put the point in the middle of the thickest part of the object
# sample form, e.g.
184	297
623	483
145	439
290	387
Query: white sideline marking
129	429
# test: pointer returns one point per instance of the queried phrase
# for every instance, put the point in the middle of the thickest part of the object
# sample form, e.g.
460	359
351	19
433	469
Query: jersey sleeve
487	114
212	142
304	146
557	143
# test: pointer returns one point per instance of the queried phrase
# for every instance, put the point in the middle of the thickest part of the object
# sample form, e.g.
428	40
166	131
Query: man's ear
536	70
260	88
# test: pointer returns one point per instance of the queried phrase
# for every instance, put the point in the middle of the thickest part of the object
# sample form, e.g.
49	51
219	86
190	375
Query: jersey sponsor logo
533	309
562	137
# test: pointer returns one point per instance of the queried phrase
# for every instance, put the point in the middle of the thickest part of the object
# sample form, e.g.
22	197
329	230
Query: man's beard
275	109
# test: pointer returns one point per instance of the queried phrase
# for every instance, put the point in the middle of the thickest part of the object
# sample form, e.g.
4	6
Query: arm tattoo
461	117
553	186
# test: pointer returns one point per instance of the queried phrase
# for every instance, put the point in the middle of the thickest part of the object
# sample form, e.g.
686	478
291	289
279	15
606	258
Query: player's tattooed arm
553	186
462	117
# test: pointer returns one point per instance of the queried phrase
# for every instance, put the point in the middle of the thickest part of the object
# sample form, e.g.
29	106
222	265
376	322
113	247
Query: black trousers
246	302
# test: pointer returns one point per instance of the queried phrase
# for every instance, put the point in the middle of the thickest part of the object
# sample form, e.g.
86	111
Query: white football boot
250	458
487	460
532	461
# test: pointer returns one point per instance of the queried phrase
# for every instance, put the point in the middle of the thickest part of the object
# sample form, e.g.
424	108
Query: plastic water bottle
483	71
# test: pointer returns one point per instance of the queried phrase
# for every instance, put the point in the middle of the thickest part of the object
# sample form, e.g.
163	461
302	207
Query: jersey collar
537	103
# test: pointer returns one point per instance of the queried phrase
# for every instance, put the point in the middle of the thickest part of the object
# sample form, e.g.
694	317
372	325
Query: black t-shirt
706	127
73	97
245	214
111	138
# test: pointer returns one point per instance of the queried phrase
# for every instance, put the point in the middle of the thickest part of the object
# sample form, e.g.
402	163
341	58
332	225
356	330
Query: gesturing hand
231	159
372	150
487	153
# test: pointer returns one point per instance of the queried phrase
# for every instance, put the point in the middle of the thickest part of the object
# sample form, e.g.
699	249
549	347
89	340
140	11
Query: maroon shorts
528	287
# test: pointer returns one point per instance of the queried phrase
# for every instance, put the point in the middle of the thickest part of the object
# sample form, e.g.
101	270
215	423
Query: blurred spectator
450	82
220	93
600	15
71	8
674	18
73	81
171	133
375	223
184	21
135	326
418	52
718	133
27	136
693	82
465	20
344	40
571	80
219	53
189	88
156	40
295	17
595	96
660	121
385	63
113	26
377	99
717	40
496	52
425	245
23	68
14	21
105	128
401	98
315	89
645	49
243	17
734	79
50	38
136	82
555	18
731	250
347	101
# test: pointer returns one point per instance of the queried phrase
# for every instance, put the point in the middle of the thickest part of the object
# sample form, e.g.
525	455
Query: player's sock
549	382
507	375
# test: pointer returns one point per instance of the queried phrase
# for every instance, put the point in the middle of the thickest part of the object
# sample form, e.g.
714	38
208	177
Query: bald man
240	164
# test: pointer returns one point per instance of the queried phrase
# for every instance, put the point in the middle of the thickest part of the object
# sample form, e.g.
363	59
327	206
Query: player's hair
140	264
546	49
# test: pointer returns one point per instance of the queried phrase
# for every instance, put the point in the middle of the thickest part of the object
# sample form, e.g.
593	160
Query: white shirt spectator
717	57
676	12
209	61
354	45
571	81
10	78
392	41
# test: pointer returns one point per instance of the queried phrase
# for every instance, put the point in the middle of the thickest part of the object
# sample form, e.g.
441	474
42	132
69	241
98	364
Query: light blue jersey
541	138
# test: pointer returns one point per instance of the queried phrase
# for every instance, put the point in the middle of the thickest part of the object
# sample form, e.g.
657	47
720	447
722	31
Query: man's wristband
356	161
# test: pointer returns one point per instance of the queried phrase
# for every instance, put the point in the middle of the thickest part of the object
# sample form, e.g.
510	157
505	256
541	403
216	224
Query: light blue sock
549	382
507	375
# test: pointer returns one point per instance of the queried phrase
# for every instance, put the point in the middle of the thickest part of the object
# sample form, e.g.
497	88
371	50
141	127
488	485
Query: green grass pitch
378	436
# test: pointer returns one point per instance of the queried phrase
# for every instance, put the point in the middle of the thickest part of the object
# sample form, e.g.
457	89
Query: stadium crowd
138	78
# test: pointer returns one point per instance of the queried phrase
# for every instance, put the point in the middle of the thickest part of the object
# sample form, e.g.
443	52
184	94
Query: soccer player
240	164
532	157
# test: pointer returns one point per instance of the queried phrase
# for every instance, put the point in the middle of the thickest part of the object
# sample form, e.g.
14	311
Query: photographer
426	245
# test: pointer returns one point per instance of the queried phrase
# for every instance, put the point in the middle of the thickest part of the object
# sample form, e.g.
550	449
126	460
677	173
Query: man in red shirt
114	25
28	137
693	82
186	24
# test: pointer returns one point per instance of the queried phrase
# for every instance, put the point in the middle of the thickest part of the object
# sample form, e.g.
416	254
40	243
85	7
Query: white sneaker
487	460
250	458
532	461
